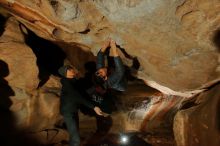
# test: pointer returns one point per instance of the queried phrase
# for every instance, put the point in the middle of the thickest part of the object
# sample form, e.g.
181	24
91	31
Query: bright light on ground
124	139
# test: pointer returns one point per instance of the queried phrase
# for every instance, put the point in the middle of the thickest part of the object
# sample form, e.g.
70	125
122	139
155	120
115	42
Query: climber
105	80
110	79
71	99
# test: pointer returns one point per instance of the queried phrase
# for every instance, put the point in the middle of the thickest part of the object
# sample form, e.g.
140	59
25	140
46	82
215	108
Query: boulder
198	125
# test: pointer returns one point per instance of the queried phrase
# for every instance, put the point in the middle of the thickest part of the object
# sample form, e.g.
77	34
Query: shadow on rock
216	39
2	24
50	57
10	135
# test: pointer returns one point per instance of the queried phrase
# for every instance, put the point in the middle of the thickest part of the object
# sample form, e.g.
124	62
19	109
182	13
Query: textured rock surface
30	109
12	48
22	71
199	125
172	39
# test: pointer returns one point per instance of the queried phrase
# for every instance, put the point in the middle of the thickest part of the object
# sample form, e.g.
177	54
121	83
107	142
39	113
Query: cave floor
114	140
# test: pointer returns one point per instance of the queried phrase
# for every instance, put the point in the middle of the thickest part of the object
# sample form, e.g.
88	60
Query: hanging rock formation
173	40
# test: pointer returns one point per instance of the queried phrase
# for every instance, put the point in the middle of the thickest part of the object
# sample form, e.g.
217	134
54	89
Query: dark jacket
71	98
117	79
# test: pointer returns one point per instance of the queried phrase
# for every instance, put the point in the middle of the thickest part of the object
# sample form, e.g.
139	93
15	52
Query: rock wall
12	47
25	110
174	41
199	125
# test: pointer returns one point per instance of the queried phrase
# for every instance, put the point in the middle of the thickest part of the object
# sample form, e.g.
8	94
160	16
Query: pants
104	124
72	124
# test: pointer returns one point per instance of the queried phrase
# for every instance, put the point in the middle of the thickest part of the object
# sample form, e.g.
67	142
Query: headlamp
124	139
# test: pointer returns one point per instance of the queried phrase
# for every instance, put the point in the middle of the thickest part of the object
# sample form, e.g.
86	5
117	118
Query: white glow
124	139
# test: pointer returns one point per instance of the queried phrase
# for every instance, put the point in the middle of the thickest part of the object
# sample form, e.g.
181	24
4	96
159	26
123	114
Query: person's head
68	71
102	72
71	72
